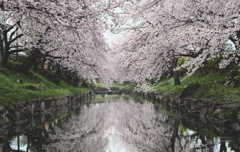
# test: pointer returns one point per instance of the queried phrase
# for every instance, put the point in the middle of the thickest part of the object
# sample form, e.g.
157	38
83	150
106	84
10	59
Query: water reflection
19	143
116	124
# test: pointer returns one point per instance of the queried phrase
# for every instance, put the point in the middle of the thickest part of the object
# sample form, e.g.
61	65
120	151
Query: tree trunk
5	59
176	73
6	53
1	47
69	78
49	65
58	71
43	62
176	79
35	65
17	57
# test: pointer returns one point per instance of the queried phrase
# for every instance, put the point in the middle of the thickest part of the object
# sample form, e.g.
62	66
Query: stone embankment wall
215	111
26	110
219	112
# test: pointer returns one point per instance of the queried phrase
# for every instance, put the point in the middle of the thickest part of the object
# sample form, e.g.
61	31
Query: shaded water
117	124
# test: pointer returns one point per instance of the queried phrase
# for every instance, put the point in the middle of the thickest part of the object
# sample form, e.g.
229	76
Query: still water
113	123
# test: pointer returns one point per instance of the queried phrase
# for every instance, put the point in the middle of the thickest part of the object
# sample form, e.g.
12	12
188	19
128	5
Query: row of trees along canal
158	33
66	33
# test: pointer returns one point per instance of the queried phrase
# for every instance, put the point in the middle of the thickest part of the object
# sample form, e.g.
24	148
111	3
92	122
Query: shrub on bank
233	78
32	86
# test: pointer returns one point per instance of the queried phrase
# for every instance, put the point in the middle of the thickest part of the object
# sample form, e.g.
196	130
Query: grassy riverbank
124	86
207	82
15	87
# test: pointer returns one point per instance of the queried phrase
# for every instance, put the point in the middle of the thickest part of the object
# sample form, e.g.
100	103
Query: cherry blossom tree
159	32
68	32
165	30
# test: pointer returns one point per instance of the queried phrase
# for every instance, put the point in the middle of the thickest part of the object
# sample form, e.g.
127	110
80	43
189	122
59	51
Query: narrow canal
114	123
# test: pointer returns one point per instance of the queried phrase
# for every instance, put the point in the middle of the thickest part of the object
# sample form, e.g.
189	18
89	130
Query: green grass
14	87
211	86
124	86
99	84
167	86
210	81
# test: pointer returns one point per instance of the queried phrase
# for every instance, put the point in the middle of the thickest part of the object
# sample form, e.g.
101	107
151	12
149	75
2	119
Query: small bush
126	83
49	75
43	72
209	67
22	58
167	74
233	78
151	81
53	77
32	86
75	81
86	84
13	66
163	84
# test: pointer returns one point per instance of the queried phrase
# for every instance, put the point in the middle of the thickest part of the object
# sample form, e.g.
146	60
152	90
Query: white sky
113	39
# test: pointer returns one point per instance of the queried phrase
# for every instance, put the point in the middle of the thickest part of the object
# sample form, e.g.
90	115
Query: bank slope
15	87
207	82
